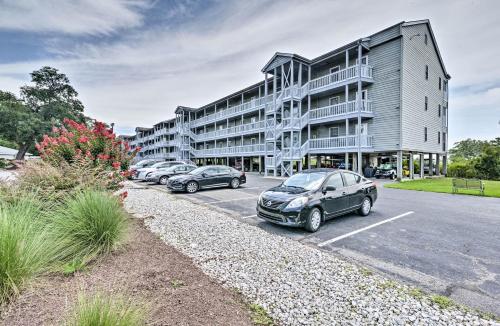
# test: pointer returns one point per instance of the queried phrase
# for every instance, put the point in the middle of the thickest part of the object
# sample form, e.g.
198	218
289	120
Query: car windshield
386	166
307	181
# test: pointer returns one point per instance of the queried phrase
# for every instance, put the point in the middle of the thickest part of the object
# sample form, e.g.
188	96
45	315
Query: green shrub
89	224
103	311
25	248
462	169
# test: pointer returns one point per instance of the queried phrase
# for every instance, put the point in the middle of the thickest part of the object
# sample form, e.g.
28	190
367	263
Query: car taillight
242	173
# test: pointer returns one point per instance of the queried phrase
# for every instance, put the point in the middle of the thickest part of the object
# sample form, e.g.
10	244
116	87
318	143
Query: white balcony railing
340	142
232	111
339	77
339	109
231	150
231	131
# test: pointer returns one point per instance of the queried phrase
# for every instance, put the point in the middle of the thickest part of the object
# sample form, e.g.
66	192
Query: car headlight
297	202
149	174
259	201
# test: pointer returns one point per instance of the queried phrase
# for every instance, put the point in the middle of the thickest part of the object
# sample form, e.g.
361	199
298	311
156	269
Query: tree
488	163
467	149
42	106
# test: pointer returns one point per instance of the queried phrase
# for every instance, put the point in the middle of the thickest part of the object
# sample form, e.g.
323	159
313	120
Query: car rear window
351	179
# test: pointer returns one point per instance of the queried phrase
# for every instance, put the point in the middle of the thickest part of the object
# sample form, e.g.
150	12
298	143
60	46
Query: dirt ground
146	270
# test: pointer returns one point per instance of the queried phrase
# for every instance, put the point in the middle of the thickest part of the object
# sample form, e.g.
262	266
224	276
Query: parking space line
249	216
322	244
228	200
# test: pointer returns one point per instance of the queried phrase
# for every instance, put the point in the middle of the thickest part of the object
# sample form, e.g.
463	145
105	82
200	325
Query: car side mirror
204	175
328	188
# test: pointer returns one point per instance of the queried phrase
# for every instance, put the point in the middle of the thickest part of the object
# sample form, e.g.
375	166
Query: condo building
379	99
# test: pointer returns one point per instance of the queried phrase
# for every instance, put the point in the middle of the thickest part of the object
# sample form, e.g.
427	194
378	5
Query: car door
354	189
225	175
336	201
209	178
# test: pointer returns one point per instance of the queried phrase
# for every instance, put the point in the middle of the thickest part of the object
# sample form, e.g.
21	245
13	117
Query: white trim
333	128
334	97
365	58
336	68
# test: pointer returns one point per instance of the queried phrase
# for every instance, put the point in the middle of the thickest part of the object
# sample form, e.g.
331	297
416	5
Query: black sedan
313	196
214	176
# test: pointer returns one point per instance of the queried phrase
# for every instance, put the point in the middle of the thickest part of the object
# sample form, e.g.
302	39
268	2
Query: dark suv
313	196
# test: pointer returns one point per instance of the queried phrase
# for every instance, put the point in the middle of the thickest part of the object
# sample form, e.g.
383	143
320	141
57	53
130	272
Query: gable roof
433	38
287	56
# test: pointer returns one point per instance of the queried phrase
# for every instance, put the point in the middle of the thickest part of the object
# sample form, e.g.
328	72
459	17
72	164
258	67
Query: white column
422	161
399	164
438	170
445	163
358	104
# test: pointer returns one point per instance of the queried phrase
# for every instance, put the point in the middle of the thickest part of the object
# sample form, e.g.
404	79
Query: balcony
247	128
341	110
338	78
232	111
165	143
256	149
341	143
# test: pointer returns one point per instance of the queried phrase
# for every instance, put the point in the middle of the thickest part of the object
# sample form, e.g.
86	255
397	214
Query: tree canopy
42	105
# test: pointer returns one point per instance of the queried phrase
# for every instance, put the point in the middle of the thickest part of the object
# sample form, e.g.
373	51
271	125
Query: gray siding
416	55
384	35
385	94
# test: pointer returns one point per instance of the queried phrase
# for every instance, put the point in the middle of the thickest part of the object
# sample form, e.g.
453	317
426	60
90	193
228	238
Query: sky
133	62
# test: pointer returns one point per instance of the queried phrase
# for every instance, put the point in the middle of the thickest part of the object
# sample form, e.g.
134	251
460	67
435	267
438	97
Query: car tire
235	183
192	187
313	221
366	207
163	180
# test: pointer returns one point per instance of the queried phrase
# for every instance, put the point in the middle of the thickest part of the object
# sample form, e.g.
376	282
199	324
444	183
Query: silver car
161	175
142	173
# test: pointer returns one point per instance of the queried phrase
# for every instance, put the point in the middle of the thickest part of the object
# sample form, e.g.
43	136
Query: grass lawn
491	188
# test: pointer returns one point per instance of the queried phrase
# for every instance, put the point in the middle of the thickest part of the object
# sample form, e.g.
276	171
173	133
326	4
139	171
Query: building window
439	110
426	72
364	60
334	100
439	137
334	131
444	141
445	85
425	39
426	103
334	69
425	133
439	83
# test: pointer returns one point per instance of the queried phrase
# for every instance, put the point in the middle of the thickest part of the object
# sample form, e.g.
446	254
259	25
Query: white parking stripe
249	216
228	200
363	229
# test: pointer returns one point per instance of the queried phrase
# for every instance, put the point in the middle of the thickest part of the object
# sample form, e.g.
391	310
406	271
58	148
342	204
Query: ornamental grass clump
25	246
103	311
89	224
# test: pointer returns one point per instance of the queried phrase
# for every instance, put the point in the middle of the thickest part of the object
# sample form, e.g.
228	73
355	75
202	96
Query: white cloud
143	77
69	17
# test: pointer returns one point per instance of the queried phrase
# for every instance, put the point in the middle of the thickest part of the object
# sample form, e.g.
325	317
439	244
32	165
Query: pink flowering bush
76	141
97	148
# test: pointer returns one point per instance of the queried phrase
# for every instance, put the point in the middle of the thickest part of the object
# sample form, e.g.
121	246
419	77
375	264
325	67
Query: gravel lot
296	283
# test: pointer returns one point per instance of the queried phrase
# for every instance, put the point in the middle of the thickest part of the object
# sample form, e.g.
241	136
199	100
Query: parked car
213	176
143	172
140	165
313	196
161	175
386	171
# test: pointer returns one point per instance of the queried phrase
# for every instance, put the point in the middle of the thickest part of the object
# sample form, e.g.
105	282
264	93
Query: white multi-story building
381	98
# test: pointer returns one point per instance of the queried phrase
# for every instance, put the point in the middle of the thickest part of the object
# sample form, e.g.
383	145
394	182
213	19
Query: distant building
379	99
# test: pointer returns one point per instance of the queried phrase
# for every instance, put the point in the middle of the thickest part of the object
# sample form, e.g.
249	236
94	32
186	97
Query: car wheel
192	187
313	221
366	207
235	183
163	180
